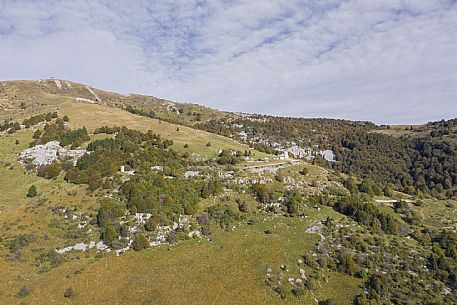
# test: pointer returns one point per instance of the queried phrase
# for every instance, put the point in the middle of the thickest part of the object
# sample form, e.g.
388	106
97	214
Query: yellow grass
93	116
231	269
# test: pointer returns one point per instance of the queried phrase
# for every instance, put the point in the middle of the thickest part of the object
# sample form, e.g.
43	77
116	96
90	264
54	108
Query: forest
413	165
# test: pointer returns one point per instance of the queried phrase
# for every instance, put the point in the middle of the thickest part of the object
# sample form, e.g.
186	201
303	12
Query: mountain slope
94	108
46	94
92	212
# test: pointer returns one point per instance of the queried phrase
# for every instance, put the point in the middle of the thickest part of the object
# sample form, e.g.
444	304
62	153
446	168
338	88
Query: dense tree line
408	164
263	148
130	148
383	158
389	161
228	156
166	198
34	120
165	193
108	219
307	132
7	124
223	215
107	130
434	166
438	129
58	132
367	214
150	114
50	171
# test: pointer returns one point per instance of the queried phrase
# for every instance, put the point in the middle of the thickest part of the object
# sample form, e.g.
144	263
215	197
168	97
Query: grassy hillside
22	99
93	116
27	97
186	273
221	229
228	270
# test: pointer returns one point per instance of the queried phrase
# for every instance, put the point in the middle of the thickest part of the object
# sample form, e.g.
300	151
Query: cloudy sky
388	61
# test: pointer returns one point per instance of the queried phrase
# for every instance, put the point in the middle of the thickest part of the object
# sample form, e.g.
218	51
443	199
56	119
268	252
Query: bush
32	192
68	293
18	243
298	291
243	206
109	233
279	176
310	284
140	242
37	134
418	203
304	171
50	171
280	291
330	302
23	292
151	224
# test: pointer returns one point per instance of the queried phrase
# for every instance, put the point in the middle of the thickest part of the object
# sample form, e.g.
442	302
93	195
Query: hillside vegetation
22	99
424	164
114	199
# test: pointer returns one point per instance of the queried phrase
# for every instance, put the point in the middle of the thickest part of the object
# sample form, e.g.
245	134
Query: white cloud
386	61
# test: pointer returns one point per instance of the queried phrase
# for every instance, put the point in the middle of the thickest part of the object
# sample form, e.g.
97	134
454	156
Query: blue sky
386	61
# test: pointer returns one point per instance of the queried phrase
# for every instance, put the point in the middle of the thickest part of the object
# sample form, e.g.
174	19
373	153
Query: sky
386	61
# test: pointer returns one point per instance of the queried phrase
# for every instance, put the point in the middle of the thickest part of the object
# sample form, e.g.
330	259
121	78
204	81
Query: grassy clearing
315	173
397	130
15	180
438	213
432	212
